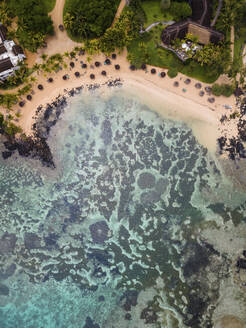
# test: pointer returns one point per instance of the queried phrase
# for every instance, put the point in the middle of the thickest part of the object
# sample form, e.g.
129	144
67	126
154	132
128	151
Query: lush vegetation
223	89
88	19
154	13
146	49
33	22
9	127
49	5
180	10
172	72
164	10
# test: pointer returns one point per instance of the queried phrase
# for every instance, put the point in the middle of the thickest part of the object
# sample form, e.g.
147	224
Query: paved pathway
217	12
157	23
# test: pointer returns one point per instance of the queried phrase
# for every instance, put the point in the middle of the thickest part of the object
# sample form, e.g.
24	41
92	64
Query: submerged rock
99	232
7	243
4	290
146	180
31	240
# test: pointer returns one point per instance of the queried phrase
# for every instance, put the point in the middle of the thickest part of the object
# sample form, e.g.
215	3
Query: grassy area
239	43
158	56
154	13
49	4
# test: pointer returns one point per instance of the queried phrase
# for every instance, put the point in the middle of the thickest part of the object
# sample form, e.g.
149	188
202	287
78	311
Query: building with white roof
10	55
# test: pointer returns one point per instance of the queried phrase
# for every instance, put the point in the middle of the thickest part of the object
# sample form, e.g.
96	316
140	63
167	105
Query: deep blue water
112	236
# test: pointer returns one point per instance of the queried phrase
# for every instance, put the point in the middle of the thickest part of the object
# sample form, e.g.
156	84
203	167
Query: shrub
89	19
222	89
172	72
180	10
165	4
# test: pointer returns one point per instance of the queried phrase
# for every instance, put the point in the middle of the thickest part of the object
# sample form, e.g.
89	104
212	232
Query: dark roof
180	29
17	50
3	32
2	49
5	64
174	31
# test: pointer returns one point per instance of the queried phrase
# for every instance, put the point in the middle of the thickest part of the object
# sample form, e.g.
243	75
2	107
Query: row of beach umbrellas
117	67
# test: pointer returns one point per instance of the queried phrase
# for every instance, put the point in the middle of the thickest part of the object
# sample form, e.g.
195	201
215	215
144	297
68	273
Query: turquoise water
113	236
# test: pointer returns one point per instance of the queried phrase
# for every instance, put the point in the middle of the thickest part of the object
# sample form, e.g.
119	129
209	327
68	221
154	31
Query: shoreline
160	94
165	85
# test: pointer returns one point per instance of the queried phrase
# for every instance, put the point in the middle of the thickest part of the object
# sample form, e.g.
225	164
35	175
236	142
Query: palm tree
44	57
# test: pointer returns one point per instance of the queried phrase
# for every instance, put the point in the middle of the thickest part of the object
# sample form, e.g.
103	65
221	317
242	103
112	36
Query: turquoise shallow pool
113	236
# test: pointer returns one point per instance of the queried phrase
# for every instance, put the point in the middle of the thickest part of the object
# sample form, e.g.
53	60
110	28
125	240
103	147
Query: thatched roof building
10	55
5	65
3	33
198	25
180	29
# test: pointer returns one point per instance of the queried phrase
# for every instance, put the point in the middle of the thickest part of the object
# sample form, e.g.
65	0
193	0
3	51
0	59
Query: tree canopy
180	10
33	22
89	19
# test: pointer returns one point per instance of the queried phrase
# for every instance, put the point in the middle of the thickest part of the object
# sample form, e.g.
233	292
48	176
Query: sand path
59	42
119	10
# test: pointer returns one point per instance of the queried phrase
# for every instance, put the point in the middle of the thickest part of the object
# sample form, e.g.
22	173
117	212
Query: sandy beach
183	101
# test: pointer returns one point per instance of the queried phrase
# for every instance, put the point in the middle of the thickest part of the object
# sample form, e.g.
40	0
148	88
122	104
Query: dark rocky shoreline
36	146
234	146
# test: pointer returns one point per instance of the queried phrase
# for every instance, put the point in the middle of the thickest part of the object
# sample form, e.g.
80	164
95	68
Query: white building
10	55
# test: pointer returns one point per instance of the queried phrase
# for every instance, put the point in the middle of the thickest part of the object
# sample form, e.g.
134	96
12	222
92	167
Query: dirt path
119	10
232	42
59	42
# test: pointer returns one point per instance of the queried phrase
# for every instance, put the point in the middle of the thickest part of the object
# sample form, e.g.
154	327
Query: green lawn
49	4
239	42
154	13
166	59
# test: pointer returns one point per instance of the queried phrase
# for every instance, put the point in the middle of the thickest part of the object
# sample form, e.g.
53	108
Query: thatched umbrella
117	66
81	52
144	66
61	27
113	56
187	81
97	64
201	93
107	61
84	65
163	74
198	85
72	64
208	90
65	77
211	100
104	73
50	80
77	74
21	103
40	87
132	68
92	76
29	97
176	84
153	71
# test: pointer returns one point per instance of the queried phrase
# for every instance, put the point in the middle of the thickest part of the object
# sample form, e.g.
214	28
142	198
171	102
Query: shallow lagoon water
113	236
